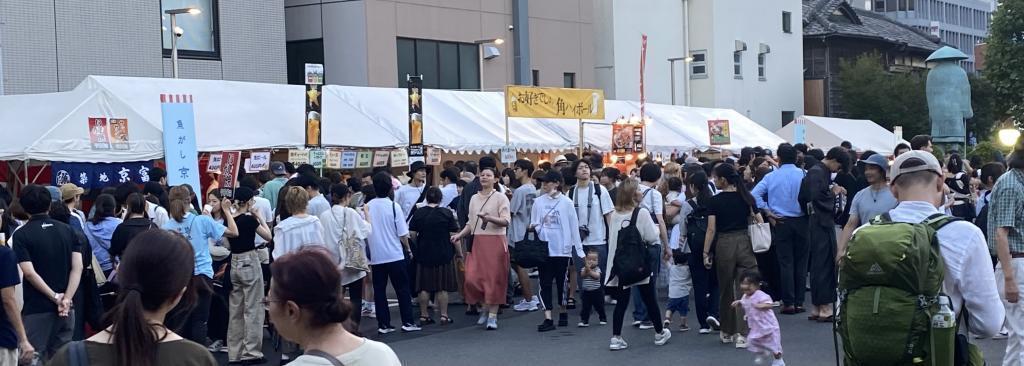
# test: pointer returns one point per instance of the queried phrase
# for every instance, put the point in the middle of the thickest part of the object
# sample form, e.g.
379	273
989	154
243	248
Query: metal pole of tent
26	170
580	148
40	172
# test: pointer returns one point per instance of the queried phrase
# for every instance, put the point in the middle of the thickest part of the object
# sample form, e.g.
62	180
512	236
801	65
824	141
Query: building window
200	38
879	5
787	22
300	53
569	80
737	64
444	65
699	64
536	77
787	117
761	58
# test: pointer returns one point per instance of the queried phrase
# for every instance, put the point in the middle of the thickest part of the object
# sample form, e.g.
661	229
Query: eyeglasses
267	301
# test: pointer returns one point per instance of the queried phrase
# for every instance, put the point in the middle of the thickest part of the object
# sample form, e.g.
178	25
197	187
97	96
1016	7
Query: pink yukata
764	335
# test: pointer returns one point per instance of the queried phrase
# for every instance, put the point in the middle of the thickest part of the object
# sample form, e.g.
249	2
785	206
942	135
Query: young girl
765	337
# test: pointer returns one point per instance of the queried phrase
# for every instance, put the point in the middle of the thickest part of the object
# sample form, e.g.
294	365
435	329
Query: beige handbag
760	236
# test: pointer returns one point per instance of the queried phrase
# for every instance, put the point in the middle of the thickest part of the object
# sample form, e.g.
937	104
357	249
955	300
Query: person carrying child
765	337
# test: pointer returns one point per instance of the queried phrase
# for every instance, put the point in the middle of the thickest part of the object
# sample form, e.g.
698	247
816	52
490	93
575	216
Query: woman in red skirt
487	263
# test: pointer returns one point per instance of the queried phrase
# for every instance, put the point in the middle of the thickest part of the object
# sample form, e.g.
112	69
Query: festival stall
825	132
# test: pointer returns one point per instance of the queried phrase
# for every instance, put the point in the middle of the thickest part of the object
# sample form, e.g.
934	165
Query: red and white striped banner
175	98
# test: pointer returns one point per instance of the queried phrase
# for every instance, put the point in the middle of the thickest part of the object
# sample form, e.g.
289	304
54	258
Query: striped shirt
591	284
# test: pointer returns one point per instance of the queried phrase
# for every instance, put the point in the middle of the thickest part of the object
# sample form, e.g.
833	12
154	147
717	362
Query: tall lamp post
480	50
177	32
672	75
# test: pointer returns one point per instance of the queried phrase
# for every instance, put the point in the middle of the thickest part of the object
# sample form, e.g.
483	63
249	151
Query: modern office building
48	46
959	23
379	42
732	54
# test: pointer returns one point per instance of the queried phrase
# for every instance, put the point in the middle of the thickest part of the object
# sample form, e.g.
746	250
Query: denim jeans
639	310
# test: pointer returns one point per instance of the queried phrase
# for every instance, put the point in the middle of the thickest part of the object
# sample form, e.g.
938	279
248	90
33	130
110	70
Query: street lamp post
175	33
672	74
480	50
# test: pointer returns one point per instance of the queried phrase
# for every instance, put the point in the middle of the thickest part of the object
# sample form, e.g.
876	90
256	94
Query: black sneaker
563	320
546	326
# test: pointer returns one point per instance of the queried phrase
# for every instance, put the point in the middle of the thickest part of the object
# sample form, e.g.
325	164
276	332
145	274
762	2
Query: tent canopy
825	132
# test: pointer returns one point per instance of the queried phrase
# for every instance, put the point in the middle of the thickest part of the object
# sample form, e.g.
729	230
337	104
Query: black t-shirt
48	244
246	239
847	181
730	210
434	226
8	278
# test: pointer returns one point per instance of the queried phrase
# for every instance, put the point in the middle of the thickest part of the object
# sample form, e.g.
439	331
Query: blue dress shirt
782	188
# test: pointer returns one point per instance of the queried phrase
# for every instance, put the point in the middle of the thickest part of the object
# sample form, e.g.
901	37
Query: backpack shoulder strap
939	220
324	355
77	354
884	218
632	220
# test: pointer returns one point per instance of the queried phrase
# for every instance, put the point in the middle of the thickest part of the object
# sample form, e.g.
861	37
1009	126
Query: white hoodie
296	232
556	222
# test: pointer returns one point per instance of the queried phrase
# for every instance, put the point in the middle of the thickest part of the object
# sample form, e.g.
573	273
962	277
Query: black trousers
192	325
355	296
790	242
553	271
593	300
647	296
768	264
822	239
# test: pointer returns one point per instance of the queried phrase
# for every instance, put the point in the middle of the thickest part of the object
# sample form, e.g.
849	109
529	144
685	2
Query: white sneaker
385	330
646	325
636	323
725	338
713	322
617	343
411	328
524	305
492	323
741	341
704	331
777	304
778	362
662	338
483	318
582	325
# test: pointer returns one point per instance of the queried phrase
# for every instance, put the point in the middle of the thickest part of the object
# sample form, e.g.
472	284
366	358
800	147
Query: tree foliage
890	99
983	103
1004	59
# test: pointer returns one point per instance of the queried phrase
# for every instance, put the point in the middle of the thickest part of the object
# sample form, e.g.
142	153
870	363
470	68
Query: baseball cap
244	194
915	161
69	191
551	176
278	168
54	193
416	166
879	161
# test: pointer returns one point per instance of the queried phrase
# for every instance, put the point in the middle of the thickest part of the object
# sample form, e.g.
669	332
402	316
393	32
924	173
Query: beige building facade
377	42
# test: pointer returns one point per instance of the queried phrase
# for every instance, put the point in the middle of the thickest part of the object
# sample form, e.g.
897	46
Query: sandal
424	320
445	320
570	304
813	318
827	319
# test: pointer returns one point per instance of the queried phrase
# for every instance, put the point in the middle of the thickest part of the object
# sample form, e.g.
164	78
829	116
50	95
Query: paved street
517	342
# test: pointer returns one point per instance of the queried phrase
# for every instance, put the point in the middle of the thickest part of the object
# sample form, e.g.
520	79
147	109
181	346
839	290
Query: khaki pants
245	327
733	256
9	357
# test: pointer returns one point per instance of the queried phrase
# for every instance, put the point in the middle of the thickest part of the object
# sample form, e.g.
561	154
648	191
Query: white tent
825	132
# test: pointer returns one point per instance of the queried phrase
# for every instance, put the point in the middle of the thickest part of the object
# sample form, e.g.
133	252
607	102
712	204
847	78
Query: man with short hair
317	203
12	332
71	195
51	259
900	149
1006	239
449	189
273	187
593	208
777	196
610	177
870	202
388	242
917	184
520	208
846	145
990	173
410	194
921	142
818	198
159	175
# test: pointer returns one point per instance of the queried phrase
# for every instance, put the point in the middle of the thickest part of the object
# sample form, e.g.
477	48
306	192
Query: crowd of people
150	271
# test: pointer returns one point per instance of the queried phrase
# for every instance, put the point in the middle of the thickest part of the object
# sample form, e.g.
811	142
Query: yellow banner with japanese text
537	102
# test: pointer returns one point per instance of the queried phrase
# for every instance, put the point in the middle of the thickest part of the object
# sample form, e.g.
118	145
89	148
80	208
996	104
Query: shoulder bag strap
330	358
475	224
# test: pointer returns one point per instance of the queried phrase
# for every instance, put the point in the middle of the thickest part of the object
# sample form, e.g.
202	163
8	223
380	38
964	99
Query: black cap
551	176
416	166
244	194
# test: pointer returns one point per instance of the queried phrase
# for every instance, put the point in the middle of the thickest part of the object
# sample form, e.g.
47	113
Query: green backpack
889	283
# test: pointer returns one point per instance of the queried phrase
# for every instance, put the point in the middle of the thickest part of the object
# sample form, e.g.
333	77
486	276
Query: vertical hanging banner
718	130
415	100
314	78
180	153
230	161
119	133
643	65
99	136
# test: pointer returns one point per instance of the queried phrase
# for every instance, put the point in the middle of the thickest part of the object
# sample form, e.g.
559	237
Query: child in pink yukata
765	338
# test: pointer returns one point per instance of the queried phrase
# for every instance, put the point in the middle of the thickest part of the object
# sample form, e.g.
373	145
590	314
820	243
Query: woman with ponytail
729	213
154	274
306	307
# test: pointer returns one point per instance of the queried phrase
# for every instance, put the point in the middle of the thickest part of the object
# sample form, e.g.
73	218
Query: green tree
889	99
983	103
1004	59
